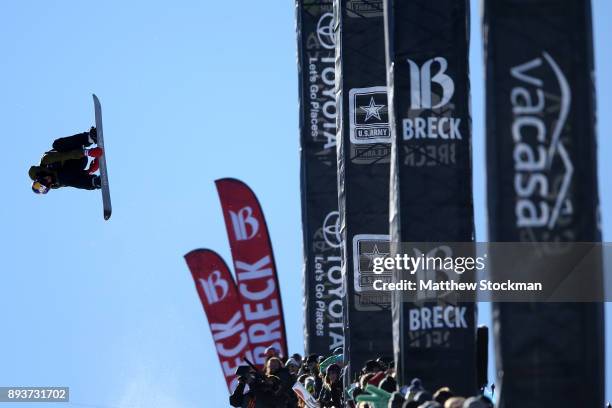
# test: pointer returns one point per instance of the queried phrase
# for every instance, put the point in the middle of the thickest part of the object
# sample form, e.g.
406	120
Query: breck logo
215	287
421	80
437	317
422	97
543	168
369	115
325	31
240	221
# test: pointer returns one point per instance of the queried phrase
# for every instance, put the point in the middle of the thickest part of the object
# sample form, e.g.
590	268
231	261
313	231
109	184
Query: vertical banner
322	278
254	266
431	179
363	177
542	189
219	296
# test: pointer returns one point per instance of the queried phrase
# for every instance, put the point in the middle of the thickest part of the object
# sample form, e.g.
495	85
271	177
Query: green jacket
52	156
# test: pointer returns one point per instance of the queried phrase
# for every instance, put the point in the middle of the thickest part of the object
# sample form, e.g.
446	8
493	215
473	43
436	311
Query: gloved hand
94	166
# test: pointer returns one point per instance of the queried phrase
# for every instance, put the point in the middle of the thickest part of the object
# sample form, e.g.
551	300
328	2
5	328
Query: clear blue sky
192	91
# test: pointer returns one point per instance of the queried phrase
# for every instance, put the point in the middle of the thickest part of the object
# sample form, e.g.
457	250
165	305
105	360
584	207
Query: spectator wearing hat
372	366
293	367
271	352
297	357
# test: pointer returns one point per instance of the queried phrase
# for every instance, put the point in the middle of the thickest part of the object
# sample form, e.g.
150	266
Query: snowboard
106	200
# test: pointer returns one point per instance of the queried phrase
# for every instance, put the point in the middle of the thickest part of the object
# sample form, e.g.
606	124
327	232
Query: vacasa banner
431	181
363	177
254	266
221	302
542	188
322	277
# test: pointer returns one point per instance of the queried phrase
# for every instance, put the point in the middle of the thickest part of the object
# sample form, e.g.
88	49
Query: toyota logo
331	229
325	31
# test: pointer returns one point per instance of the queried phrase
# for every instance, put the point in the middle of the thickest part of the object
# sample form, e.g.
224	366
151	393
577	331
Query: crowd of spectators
323	379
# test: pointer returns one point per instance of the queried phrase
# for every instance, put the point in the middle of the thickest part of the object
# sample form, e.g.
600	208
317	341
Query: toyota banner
322	278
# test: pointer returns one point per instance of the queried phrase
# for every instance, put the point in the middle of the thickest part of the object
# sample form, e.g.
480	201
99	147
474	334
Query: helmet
39	188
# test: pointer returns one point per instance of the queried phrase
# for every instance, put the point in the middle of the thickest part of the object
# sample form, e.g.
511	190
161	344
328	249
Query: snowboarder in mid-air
66	164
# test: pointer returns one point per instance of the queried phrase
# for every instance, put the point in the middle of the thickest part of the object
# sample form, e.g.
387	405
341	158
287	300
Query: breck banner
221	302
431	179
363	176
322	277
254	266
542	187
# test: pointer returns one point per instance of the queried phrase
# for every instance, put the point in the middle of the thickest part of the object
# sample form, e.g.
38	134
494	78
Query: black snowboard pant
72	172
78	141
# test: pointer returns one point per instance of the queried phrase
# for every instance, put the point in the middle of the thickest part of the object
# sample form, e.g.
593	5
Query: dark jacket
66	169
331	395
261	394
239	398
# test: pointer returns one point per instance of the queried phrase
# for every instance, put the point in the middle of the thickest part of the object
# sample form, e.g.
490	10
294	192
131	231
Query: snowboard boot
94	166
95	152
93	135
